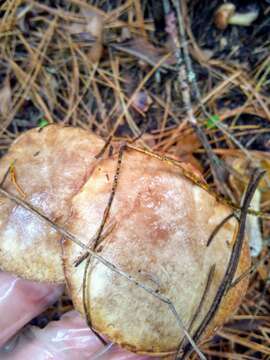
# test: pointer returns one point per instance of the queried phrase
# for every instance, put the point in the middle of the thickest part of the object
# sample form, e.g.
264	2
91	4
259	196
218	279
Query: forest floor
124	68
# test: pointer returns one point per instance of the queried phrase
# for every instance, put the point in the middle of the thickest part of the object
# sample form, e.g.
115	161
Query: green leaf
42	123
211	122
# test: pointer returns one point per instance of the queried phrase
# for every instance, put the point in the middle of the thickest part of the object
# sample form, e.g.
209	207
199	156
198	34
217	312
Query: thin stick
102	237
106	145
247	272
107	209
5	177
221	126
198	310
218	227
85	299
13	177
87	268
186	76
234	259
206	290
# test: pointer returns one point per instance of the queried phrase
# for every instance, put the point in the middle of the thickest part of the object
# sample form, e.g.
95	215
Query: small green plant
42	123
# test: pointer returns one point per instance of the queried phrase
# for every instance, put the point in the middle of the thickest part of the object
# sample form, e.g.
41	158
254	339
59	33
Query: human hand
66	339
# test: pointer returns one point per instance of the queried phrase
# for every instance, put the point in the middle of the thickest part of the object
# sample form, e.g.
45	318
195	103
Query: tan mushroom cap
223	14
159	225
51	166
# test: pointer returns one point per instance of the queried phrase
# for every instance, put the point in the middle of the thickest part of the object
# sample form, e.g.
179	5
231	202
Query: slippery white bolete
158	228
51	165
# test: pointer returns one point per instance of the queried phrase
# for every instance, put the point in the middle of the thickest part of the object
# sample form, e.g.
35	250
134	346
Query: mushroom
157	231
51	165
226	15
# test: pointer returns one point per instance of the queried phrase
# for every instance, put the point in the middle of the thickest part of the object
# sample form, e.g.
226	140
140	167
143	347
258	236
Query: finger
21	301
66	339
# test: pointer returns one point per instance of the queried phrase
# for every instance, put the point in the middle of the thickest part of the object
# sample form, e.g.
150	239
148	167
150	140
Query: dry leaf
90	32
243	167
141	101
94	24
145	51
188	142
49	87
264	267
189	158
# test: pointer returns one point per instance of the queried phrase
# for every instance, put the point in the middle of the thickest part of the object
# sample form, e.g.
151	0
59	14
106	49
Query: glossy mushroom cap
157	231
51	166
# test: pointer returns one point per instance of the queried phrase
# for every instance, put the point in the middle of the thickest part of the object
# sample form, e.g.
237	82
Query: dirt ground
171	80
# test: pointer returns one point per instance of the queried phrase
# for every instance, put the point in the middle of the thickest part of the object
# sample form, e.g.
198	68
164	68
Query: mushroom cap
223	14
157	231
51	166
